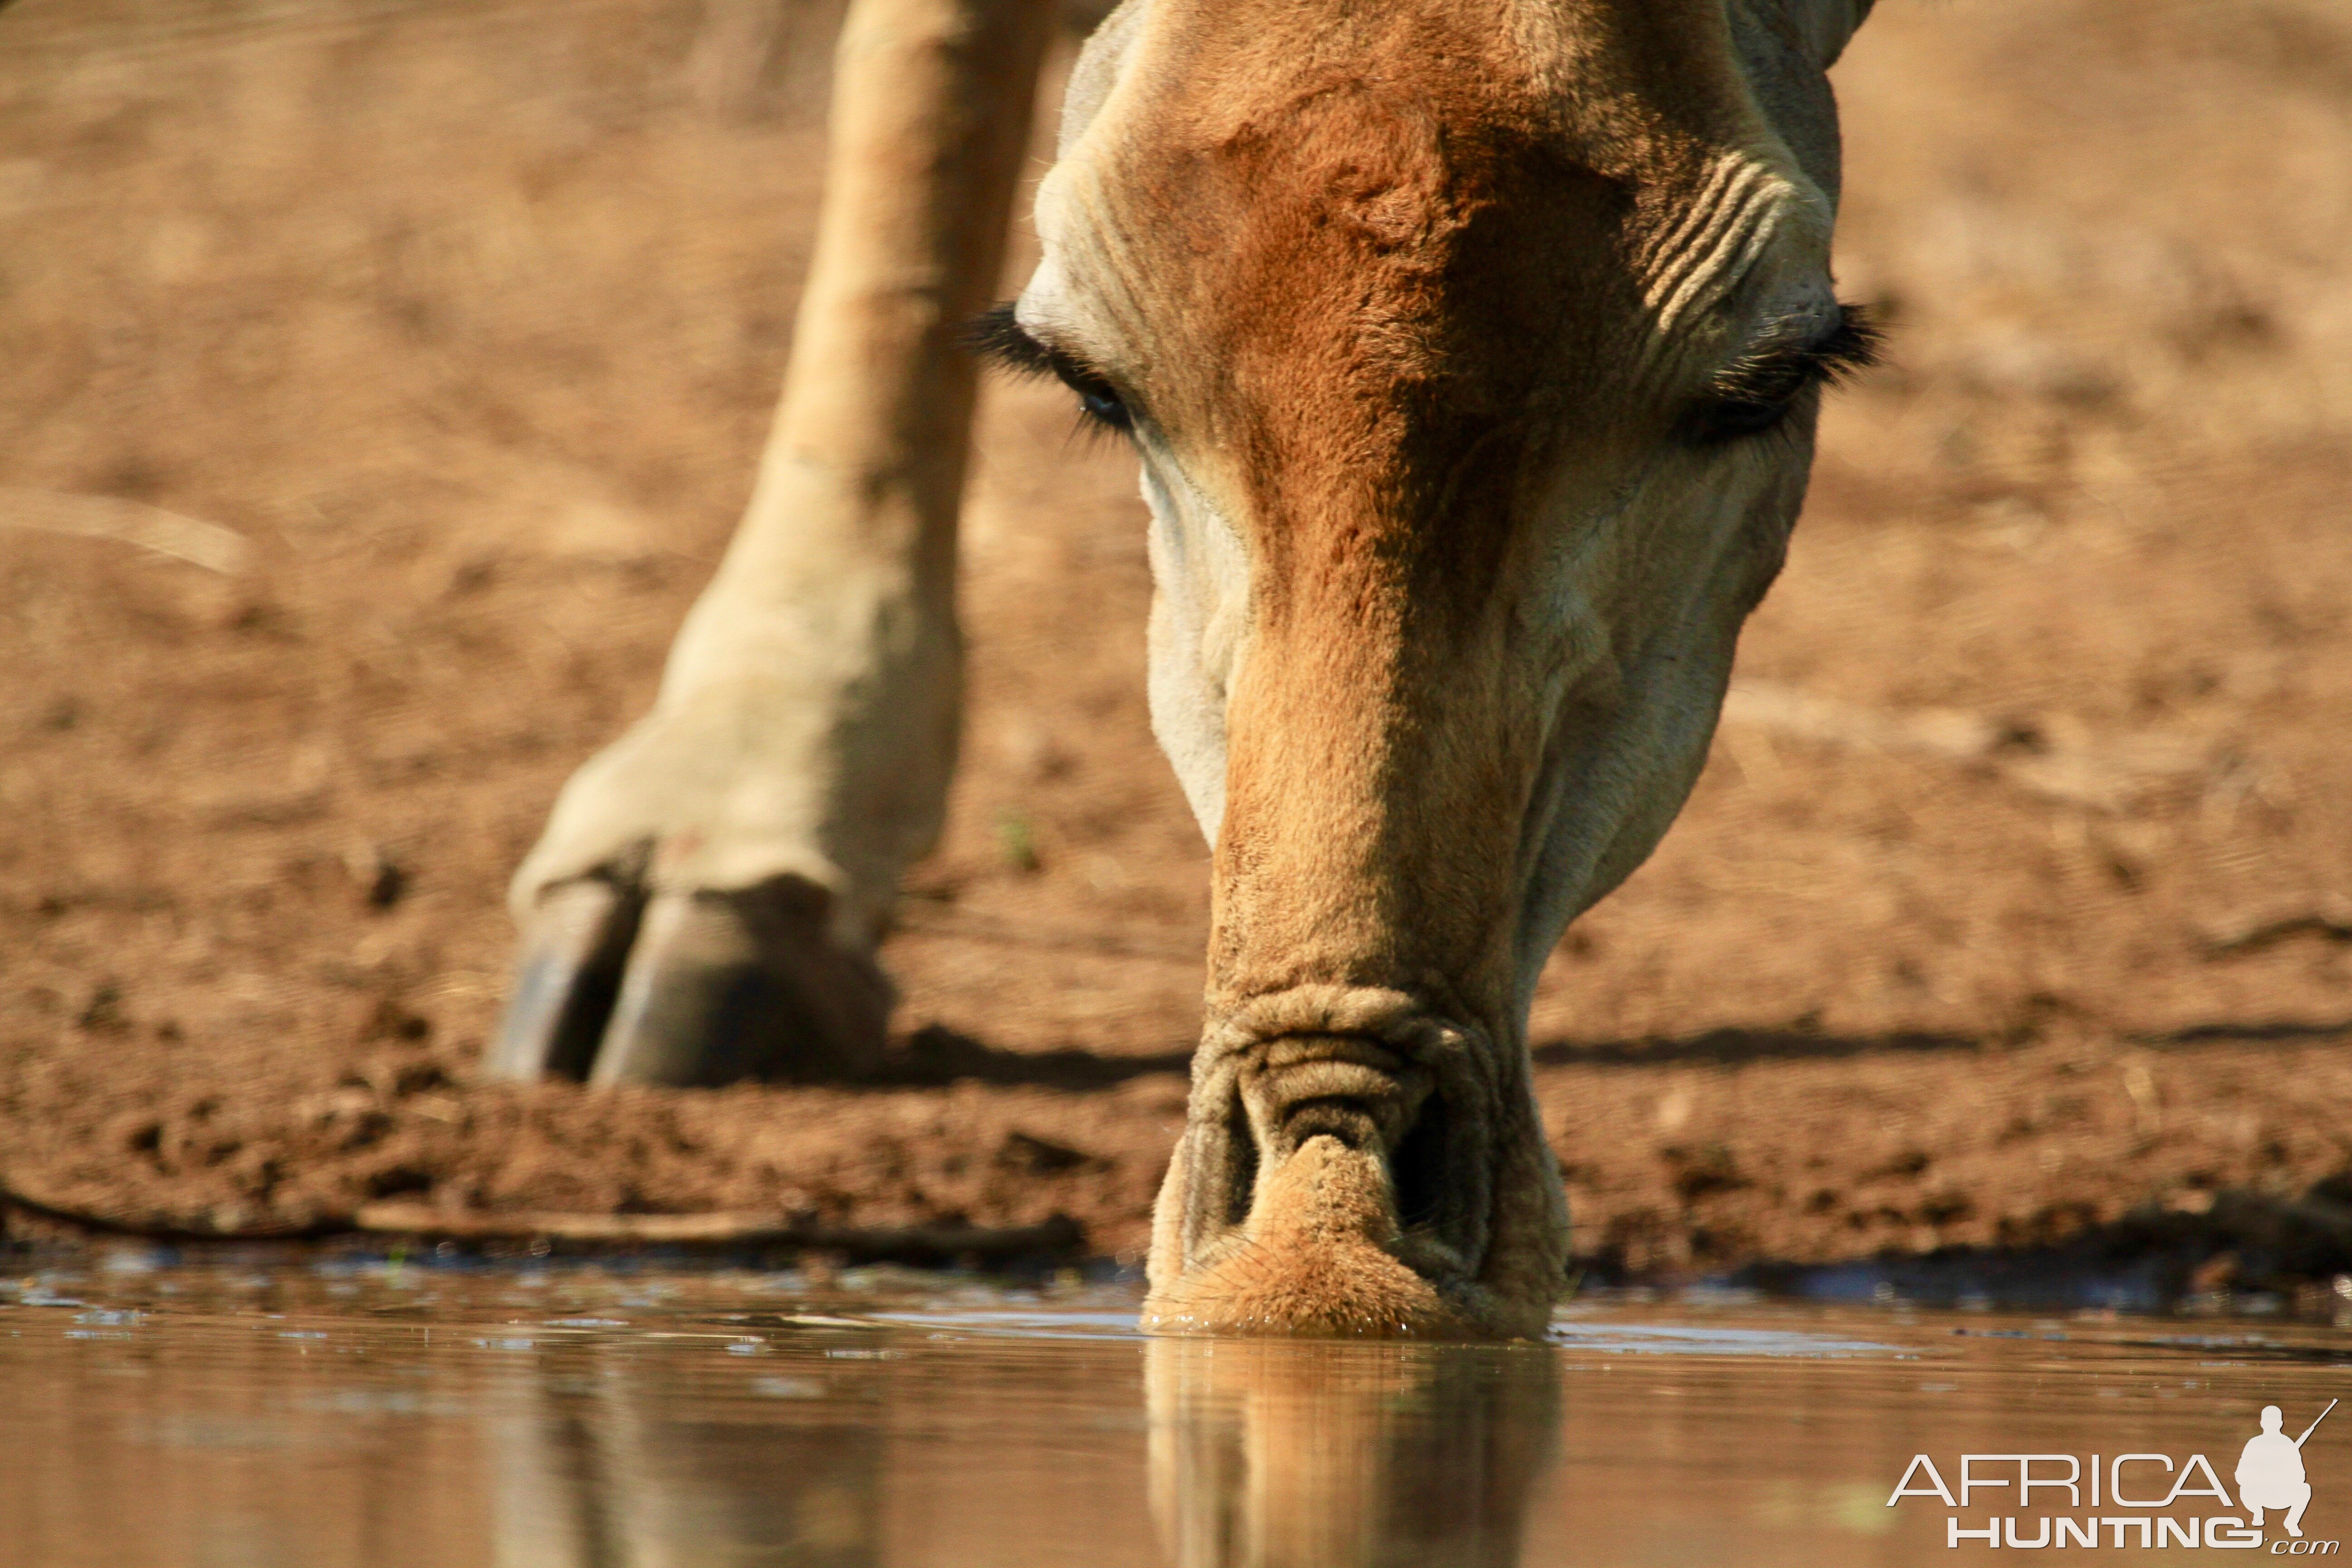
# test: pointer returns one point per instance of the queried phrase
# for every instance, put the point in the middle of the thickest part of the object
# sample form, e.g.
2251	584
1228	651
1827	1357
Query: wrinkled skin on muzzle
1472	356
1356	1167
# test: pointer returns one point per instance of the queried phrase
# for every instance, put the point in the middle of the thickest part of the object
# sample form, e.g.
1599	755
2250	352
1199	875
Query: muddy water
571	1417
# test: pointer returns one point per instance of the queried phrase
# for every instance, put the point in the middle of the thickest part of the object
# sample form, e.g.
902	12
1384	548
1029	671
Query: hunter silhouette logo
2144	1499
2270	1471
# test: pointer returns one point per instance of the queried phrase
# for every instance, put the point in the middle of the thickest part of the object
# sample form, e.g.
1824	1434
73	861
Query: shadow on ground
934	1056
2244	1252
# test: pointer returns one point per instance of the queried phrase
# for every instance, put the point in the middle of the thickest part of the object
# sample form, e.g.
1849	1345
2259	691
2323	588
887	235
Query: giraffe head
1472	348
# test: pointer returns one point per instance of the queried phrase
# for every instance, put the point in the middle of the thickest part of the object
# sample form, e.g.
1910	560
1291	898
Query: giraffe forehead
1366	170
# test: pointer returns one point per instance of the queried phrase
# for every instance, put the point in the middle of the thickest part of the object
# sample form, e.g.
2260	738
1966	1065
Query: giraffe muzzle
1332	1182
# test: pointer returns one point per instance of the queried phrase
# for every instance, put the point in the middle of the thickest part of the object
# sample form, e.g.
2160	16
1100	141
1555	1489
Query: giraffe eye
999	336
1097	398
1730	419
1754	394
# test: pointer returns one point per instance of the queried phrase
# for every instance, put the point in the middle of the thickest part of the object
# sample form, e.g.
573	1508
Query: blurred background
379	382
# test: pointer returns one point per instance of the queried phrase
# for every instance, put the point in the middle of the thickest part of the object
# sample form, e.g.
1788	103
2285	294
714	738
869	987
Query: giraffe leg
704	902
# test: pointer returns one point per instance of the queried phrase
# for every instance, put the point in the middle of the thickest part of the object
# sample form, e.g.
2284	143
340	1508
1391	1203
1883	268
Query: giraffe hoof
689	989
567	973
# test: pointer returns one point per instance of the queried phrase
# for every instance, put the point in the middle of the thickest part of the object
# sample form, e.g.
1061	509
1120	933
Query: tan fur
1412	302
723	871
808	719
1408	299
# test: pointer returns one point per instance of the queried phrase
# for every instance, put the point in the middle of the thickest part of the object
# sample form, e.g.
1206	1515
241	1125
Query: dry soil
378	383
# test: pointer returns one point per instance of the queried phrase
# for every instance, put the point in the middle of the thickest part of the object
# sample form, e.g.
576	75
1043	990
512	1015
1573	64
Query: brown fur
1381	276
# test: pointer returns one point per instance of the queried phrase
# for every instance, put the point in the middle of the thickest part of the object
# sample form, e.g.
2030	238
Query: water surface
567	1416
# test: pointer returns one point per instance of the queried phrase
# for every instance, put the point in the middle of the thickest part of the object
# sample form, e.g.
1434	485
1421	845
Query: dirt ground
378	383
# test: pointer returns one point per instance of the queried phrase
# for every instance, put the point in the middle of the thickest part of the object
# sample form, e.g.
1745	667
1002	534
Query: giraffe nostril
1352	1121
1241	1165
1338	1169
1378	1103
1351	1089
1408	1133
1418	1168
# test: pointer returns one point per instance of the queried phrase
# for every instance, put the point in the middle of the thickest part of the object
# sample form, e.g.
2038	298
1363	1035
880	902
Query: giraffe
1472	352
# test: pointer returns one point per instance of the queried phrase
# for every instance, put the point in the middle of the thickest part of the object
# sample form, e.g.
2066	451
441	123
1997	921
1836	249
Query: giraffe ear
1828	24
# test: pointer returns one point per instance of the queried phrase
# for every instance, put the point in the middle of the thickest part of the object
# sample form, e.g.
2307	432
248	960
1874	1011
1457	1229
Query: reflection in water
601	1473
1276	1455
1297	1455
465	1418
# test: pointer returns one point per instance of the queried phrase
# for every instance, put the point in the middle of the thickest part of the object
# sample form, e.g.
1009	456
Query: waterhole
562	1415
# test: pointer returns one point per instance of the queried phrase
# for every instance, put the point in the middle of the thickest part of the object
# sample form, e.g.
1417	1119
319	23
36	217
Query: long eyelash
1773	379
997	336
1854	347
